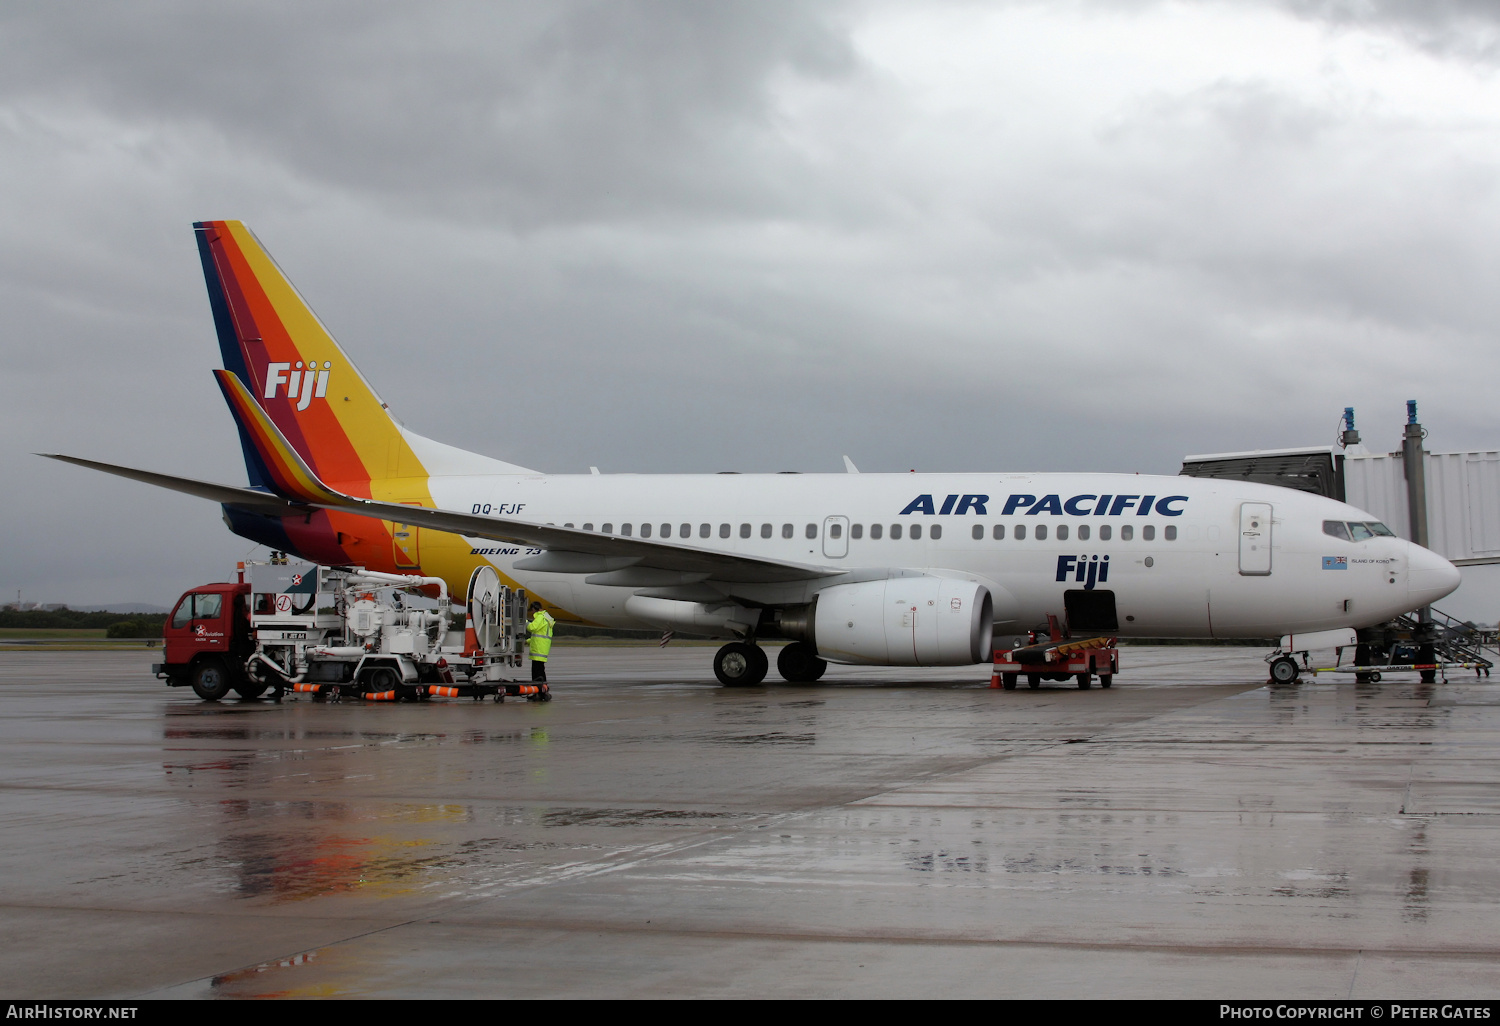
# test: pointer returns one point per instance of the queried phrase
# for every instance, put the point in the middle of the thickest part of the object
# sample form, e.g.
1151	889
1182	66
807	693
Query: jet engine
902	621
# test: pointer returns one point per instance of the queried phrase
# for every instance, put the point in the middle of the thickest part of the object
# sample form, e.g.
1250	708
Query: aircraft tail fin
295	373
286	473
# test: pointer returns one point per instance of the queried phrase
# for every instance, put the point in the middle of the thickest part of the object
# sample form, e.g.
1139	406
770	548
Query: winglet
849	467
288	475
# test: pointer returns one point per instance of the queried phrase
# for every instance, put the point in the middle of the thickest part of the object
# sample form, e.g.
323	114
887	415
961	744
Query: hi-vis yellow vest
541	635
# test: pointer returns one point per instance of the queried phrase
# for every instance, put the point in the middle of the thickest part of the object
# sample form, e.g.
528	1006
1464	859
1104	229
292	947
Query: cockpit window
1357	531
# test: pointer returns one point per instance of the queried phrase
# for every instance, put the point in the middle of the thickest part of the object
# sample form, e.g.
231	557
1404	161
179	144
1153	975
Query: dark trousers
539	670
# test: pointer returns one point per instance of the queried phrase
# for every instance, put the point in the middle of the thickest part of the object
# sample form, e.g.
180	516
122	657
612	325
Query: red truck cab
207	640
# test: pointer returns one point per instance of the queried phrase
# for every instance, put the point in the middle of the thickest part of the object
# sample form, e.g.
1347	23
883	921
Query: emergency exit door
836	537
1255	539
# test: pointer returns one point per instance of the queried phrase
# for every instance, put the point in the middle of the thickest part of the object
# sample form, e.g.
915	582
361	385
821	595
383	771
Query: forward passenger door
1255	539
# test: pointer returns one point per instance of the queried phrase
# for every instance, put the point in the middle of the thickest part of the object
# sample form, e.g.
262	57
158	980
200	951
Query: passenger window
1020	534
1148	532
1104	532
567	525
724	531
206	607
1336	529
1062	532
875	531
916	532
744	530
1127	532
608	528
977	532
1041	532
999	532
895	532
684	530
1360	532
666	530
705	530
1170	534
626	529
786	530
645	530
835	530
857	531
765	530
184	614
588	527
812	530
937	532
1083	532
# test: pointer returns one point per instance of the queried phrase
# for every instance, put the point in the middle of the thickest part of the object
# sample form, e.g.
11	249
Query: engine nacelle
904	621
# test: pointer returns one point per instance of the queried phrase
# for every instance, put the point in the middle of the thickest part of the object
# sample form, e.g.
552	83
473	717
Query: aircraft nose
1429	576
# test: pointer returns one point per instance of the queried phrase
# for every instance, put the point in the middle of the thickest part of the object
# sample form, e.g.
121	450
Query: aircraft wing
569	550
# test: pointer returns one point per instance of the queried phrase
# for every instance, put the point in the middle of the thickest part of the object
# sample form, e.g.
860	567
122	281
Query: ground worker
540	629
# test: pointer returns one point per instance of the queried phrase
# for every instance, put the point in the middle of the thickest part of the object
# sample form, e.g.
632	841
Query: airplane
875	569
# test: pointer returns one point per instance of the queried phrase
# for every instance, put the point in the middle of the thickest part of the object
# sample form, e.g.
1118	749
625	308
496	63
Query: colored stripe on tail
286	472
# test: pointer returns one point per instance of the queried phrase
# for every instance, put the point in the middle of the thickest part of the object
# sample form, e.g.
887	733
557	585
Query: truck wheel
210	680
1008	681
1033	680
1105	680
250	689
1085	681
384	679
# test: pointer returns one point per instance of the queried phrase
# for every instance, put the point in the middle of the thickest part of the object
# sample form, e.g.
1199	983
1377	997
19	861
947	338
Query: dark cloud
1461	28
520	111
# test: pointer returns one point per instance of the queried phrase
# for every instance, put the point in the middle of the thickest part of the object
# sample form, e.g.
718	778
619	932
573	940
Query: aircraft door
1255	539
404	544
835	537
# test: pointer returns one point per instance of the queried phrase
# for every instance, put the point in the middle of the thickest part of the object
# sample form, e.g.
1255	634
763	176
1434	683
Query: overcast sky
704	236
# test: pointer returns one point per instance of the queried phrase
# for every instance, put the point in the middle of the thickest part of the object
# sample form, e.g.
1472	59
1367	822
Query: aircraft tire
799	663
738	665
1284	670
211	679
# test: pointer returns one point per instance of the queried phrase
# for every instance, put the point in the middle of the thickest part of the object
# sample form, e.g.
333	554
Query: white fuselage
1181	563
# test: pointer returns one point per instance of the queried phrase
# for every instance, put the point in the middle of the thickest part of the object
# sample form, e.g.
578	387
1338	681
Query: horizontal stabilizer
228	495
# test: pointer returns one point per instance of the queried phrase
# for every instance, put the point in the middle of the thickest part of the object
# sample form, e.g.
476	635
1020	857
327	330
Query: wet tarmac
1189	833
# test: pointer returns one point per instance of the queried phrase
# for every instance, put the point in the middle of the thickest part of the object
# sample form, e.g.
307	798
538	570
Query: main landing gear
741	664
798	663
738	664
